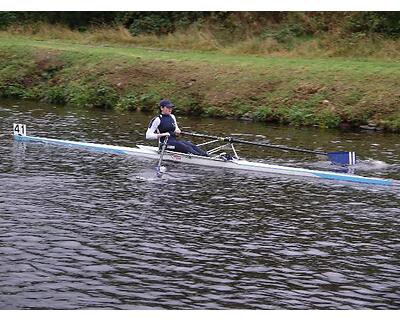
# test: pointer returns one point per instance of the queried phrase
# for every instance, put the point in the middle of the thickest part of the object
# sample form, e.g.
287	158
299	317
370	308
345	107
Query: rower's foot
225	156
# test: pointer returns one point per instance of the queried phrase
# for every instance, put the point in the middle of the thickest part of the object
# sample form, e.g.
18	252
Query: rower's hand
165	134
178	131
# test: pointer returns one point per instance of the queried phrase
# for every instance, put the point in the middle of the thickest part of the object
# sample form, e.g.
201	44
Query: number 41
19	129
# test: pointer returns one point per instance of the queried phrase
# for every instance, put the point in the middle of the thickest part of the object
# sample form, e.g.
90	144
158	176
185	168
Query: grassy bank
247	38
326	92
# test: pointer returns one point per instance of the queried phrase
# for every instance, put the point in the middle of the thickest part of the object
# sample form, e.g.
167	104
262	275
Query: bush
188	103
393	122
104	96
159	23
149	101
263	113
214	112
151	24
7	19
358	115
55	95
194	108
374	22
295	115
327	119
101	96
14	90
128	102
143	102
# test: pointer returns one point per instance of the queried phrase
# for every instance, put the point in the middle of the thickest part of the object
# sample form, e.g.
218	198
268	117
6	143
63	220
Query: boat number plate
19	129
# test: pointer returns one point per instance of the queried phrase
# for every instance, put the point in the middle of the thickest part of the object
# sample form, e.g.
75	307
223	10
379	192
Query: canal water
84	230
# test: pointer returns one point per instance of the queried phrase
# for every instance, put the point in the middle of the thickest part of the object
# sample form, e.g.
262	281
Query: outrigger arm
343	158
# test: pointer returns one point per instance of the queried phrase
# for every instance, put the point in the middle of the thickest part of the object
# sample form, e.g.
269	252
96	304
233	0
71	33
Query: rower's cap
166	103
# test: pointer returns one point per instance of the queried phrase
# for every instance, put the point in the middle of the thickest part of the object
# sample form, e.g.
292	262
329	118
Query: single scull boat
231	163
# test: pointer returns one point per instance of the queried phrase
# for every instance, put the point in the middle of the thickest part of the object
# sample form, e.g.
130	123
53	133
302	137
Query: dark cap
166	103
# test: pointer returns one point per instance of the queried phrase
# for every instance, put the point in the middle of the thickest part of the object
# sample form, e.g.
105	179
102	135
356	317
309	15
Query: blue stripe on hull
358	179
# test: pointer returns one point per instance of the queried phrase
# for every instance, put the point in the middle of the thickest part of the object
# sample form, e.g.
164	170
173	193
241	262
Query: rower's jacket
161	124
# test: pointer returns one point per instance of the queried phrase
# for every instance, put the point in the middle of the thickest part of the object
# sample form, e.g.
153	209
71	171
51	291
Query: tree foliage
281	24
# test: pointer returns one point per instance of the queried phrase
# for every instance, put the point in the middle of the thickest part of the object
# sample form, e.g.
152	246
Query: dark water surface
82	229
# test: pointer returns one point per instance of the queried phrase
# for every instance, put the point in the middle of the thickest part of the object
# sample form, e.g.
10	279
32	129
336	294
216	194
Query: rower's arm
177	130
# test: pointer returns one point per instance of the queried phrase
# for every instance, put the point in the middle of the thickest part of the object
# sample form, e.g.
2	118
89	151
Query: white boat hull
152	153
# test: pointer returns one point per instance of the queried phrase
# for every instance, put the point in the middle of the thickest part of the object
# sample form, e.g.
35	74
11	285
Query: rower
165	125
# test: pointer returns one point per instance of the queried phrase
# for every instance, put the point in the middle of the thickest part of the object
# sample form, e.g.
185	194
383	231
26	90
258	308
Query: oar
160	170
338	157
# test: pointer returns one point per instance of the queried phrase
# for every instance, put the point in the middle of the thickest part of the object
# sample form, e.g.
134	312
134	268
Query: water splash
372	165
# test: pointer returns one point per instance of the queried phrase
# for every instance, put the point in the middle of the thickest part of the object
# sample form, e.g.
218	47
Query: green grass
303	65
323	92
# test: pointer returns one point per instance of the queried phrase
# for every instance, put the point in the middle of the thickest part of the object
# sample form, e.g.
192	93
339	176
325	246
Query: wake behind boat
19	131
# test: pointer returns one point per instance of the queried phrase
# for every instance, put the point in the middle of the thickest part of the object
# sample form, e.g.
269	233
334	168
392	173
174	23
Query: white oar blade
342	158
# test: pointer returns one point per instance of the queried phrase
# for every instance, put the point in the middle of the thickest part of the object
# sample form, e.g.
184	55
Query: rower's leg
195	149
179	146
187	147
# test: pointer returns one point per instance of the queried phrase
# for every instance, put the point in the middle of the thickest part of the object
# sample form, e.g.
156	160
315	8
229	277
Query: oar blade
342	158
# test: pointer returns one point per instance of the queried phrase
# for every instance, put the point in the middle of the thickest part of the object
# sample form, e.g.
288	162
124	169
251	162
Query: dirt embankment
291	93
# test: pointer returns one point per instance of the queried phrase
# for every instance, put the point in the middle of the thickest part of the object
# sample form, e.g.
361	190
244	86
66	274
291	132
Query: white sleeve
151	131
176	123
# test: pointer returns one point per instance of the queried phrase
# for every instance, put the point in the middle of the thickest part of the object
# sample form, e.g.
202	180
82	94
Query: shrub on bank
55	95
90	95
393	123
298	98
263	113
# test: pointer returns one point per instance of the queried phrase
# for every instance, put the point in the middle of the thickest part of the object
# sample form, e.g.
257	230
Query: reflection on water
81	229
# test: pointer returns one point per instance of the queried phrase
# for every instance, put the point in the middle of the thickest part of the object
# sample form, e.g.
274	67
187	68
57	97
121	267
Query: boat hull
152	153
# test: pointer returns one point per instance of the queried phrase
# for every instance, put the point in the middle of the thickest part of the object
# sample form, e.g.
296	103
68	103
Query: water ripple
91	230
